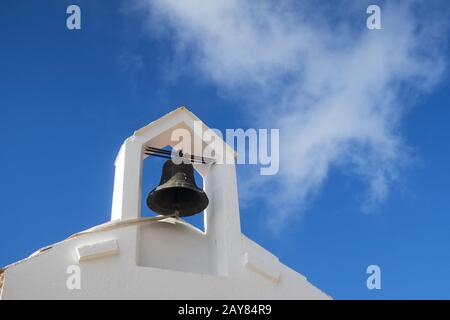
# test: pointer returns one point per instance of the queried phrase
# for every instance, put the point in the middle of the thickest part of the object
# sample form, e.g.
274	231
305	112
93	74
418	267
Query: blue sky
373	189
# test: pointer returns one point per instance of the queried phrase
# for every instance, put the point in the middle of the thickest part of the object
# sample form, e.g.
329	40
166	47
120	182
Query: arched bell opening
167	242
173	189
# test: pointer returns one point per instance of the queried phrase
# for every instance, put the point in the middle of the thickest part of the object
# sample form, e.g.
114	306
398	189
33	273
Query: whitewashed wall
160	270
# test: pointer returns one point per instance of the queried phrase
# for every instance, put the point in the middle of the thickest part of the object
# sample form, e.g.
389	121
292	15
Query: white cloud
333	87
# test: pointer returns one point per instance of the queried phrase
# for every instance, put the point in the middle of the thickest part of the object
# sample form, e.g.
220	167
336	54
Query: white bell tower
222	222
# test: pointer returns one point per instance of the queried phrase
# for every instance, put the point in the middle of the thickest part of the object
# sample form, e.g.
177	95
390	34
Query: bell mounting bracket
167	154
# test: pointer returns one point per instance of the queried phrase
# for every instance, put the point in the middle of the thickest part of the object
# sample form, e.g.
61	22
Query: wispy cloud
334	88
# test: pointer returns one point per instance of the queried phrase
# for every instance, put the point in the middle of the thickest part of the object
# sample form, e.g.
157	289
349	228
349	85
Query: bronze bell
177	192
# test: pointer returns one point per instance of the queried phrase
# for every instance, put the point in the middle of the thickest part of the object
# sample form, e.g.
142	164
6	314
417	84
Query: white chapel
161	257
